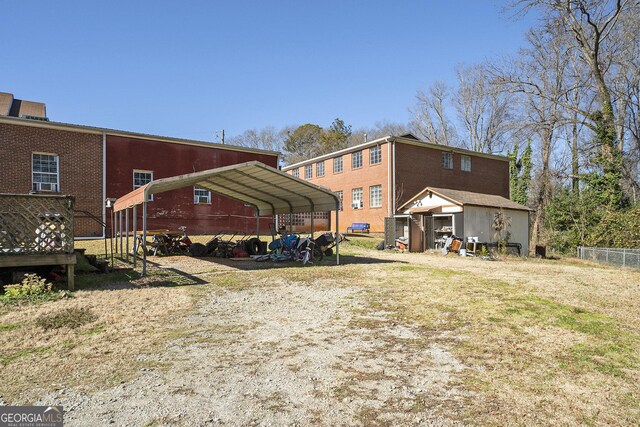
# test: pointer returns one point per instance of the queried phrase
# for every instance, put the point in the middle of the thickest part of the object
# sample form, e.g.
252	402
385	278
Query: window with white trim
320	169
45	172
375	196
447	160
375	155
340	195
465	163
296	172
356	198
141	178
356	160
337	165
201	196
308	171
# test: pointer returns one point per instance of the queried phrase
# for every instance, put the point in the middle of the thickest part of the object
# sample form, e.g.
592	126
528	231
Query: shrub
71	317
32	285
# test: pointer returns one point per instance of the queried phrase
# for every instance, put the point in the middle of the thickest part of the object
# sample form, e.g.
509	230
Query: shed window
308	171
44	172
201	196
465	163
375	155
356	160
337	165
447	160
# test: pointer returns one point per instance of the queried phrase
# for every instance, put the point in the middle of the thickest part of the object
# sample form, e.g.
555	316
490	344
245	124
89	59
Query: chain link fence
614	256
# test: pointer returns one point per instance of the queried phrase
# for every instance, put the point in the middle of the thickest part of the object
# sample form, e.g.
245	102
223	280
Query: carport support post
312	212
144	236
135	236
337	236
258	223
120	231
126	226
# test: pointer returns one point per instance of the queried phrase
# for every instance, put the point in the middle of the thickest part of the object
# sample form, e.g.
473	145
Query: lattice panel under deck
36	224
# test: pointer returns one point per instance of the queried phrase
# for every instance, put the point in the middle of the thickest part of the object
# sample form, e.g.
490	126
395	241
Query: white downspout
390	181
104	183
394	178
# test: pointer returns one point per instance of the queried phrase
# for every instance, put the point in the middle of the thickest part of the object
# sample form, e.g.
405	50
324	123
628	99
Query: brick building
92	164
375	178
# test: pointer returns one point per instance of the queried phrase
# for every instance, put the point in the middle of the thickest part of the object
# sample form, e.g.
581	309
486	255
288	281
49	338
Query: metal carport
268	190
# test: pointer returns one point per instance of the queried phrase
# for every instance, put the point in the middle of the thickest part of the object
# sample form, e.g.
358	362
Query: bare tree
483	110
430	119
267	138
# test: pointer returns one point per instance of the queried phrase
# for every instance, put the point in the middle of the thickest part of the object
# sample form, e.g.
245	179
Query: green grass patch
6	359
71	317
363	242
9	327
93	331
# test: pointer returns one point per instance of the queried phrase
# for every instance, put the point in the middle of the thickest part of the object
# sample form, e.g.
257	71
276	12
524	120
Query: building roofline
137	135
400	139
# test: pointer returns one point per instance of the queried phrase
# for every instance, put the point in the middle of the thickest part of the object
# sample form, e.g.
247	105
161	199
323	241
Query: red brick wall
80	163
416	168
175	208
364	177
420	167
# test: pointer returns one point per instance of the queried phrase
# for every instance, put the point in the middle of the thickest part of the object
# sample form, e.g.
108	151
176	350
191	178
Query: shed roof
462	198
267	189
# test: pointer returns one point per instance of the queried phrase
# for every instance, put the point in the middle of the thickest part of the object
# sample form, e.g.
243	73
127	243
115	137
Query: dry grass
548	342
42	348
544	342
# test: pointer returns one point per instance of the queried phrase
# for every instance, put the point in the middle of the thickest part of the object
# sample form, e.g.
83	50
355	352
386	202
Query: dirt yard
384	339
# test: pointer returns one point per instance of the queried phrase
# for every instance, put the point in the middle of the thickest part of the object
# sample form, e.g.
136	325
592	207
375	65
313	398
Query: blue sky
190	68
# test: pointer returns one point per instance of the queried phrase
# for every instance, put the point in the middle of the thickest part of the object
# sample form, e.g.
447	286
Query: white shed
437	213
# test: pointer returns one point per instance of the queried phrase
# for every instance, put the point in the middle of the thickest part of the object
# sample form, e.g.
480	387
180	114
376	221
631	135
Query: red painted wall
172	209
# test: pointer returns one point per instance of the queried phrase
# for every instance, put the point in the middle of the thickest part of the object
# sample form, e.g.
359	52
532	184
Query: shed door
429	232
416	234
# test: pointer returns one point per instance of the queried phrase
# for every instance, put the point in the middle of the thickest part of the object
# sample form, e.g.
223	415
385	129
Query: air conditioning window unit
357	204
45	186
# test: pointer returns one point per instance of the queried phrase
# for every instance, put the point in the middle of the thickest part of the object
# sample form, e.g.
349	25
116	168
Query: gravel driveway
283	353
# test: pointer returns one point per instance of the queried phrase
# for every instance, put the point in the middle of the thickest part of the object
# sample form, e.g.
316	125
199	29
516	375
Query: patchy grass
544	343
70	317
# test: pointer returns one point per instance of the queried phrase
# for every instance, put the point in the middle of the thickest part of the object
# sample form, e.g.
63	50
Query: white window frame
320	169
308	171
197	198
296	172
354	191
375	155
447	160
465	163
37	186
134	180
338	161
377	199
356	164
340	195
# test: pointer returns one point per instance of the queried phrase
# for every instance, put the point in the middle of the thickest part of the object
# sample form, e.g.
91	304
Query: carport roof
269	190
